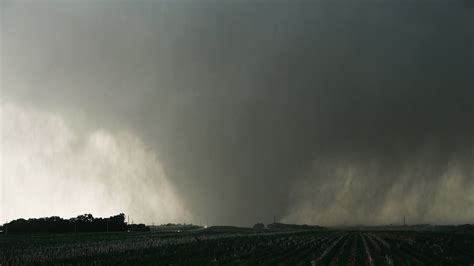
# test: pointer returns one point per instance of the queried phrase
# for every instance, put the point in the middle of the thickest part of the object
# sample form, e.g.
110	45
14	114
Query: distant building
259	226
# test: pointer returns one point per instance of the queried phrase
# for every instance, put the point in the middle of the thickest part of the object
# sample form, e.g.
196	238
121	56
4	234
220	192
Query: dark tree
82	223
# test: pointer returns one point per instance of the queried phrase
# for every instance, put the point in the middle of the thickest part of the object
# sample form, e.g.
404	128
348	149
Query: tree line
80	224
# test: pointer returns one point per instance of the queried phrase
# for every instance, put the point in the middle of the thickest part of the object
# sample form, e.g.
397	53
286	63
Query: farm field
242	247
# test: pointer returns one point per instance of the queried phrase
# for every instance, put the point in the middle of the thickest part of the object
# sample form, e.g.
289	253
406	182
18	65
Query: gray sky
324	112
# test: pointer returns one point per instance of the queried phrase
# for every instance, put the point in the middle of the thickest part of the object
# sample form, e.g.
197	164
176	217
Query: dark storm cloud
254	107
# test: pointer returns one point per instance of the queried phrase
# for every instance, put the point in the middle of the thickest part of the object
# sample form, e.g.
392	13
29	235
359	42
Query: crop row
295	248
